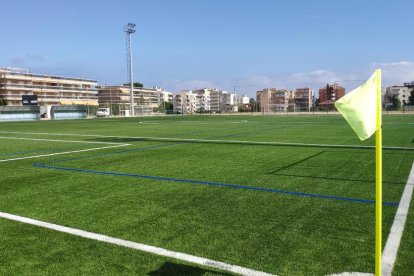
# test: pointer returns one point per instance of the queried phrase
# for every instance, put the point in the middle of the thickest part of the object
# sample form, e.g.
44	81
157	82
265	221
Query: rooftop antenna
130	29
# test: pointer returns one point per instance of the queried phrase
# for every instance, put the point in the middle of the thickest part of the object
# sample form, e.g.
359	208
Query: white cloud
317	77
179	85
314	79
395	73
388	64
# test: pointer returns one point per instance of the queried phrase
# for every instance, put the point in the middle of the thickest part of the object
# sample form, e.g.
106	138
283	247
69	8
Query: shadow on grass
297	162
172	269
336	178
278	171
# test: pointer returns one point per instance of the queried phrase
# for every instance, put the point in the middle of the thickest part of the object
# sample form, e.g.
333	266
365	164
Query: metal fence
19	113
64	112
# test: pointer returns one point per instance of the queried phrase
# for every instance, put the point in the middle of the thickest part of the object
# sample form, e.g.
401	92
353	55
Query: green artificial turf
284	234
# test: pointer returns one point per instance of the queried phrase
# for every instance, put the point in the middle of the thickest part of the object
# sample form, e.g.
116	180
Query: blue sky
189	44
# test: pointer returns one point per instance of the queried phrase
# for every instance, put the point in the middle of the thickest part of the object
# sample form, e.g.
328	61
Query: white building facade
401	92
184	102
202	98
205	100
49	90
244	99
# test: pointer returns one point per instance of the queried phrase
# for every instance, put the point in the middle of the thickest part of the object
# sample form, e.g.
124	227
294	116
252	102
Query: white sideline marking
60	153
51	140
208	140
195	122
115	145
137	246
389	255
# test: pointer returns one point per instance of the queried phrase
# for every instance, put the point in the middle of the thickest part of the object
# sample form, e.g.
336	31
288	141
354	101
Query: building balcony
44	88
17	75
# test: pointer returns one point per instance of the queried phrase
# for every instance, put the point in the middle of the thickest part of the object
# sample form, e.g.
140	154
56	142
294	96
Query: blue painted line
218	184
234	186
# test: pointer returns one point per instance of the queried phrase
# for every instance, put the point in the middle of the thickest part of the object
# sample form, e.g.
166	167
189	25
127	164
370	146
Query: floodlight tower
130	29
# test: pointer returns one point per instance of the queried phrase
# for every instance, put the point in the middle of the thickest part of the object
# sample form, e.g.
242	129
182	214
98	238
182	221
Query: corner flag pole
378	179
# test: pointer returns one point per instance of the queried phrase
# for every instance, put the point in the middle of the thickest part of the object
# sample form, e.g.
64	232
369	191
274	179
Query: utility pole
130	29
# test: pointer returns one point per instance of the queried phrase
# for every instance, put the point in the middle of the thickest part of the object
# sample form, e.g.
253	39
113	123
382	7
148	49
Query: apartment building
331	93
263	98
184	102
230	99
215	100
146	100
401	92
242	103
274	100
202	100
409	84
218	100
303	99
49	90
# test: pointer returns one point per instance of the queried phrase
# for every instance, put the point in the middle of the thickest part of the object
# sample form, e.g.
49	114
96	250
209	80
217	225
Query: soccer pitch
285	195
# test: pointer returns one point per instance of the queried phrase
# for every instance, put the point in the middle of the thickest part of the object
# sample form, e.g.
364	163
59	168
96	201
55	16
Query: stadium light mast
130	29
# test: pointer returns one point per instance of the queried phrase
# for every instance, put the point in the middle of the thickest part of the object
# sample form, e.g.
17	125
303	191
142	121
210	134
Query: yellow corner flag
359	108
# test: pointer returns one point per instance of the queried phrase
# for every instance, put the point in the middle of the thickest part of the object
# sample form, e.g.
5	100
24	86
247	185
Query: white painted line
60	153
52	140
116	145
389	255
137	246
241	142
